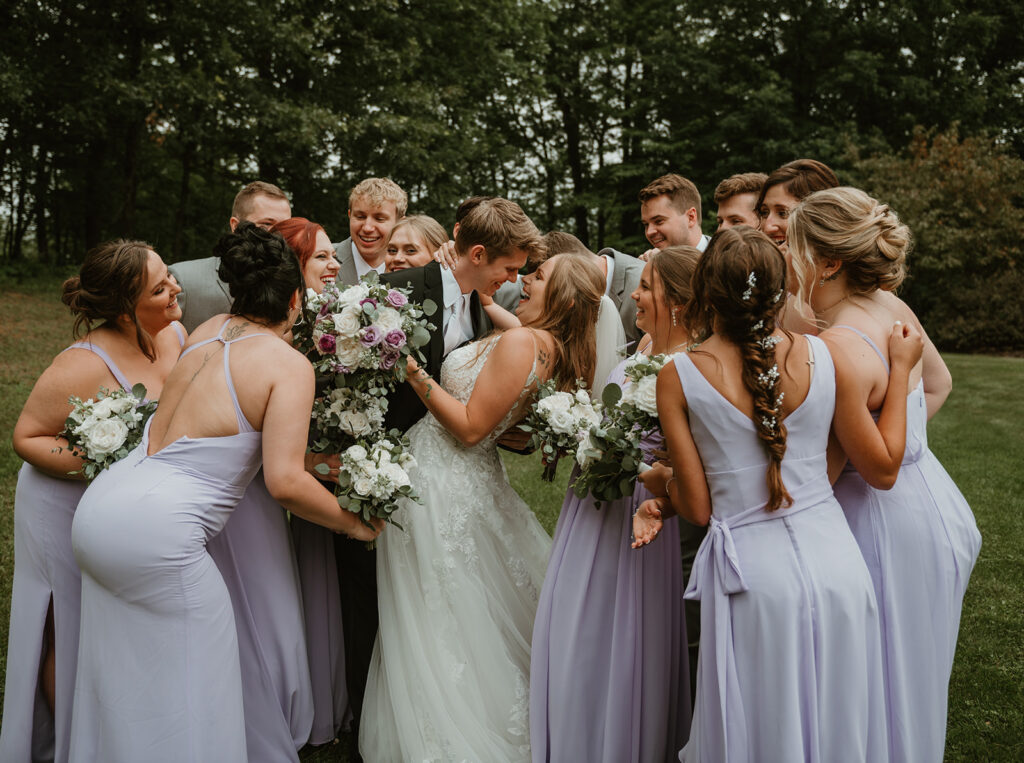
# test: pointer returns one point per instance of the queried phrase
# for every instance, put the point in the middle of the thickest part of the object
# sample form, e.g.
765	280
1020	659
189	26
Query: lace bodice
461	369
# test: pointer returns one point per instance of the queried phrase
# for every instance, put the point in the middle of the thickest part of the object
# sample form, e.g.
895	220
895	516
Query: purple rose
327	344
369	301
388	359
325	309
397	299
395	338
370	336
340	369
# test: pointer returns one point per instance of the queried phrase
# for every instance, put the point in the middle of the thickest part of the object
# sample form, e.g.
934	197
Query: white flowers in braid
769	377
768	342
751	283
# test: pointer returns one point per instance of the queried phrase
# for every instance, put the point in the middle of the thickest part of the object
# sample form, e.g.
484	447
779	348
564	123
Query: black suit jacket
404	406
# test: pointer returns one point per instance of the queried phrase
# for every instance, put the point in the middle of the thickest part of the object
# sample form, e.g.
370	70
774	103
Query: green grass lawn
978	435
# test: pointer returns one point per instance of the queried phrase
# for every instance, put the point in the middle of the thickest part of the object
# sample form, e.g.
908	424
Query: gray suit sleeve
203	294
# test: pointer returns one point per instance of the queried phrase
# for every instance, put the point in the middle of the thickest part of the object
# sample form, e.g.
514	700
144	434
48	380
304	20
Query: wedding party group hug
263	502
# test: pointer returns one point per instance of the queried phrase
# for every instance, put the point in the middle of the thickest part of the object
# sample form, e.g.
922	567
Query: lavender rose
388	358
395	338
368	301
397	299
326	344
370	336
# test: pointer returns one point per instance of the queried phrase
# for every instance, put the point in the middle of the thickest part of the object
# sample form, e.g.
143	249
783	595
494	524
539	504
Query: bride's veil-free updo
261	271
108	287
572	298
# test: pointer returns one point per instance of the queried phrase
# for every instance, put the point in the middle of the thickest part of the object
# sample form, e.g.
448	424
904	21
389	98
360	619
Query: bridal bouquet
609	455
361	332
105	430
558	422
373	477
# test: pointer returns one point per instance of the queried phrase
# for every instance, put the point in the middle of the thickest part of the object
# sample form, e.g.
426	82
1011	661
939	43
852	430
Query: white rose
382	456
347	322
560	401
105	437
353	295
388	319
363	485
587	443
356	423
562	422
348	353
643	395
356	453
397	475
582	398
102	409
586	415
121	405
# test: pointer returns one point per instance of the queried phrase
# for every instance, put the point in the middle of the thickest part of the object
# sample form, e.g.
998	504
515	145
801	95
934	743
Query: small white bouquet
609	455
374	476
558	422
105	430
361	332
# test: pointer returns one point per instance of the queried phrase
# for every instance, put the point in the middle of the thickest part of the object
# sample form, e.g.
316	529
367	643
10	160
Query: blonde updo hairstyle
108	287
739	288
572	297
849	226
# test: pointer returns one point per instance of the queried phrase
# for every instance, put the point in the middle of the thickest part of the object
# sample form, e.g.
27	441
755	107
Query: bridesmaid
255	556
127	302
790	655
918	535
158	672
314	545
412	243
605	606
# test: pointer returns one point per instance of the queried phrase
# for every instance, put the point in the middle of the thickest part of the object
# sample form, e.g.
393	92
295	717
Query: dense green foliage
144	119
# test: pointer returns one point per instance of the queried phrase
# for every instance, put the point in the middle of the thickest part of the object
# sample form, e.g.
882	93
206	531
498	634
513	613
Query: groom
492	244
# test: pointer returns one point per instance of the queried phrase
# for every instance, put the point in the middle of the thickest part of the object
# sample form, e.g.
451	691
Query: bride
458	589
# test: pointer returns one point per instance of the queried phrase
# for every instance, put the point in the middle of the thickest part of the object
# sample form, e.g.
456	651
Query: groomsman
736	197
374	206
203	294
492	243
670	213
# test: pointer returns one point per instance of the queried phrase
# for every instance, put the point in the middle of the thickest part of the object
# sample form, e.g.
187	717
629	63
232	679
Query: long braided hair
739	288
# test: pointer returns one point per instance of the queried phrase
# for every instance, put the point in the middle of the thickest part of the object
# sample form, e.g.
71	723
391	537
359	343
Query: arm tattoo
202	365
542	356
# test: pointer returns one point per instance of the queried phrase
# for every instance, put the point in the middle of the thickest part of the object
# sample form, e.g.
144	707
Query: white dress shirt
362	266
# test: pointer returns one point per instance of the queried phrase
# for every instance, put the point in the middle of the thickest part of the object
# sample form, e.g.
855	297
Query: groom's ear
477	253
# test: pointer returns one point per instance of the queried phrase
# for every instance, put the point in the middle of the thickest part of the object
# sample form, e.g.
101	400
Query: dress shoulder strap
111	365
867	339
218	338
180	332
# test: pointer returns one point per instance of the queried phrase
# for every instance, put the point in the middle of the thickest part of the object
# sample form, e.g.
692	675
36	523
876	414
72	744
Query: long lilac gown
790	665
44	566
609	675
920	542
158	669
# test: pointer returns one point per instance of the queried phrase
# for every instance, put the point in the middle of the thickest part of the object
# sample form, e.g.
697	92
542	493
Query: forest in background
143	119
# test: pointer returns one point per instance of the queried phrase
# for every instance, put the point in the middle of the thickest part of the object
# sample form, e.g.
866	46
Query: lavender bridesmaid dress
609	676
255	557
920	542
44	566
158	670
790	664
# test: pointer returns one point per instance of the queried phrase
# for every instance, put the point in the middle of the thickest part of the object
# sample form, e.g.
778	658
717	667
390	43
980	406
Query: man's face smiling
664	225
738	210
370	225
491	275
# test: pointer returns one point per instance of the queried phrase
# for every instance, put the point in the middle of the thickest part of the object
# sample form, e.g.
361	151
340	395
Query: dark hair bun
261	272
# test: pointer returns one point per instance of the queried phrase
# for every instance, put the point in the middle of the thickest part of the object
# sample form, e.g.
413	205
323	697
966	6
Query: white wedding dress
457	591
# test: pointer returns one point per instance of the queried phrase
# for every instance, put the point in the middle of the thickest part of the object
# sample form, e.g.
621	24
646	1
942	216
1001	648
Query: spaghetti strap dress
158	669
44	567
790	664
920	542
606	604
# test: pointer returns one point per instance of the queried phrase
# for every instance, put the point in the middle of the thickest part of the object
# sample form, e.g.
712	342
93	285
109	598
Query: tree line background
143	119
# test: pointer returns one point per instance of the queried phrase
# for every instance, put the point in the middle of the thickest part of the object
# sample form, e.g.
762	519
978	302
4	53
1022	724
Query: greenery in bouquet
344	416
558	421
363	331
105	430
374	477
609	455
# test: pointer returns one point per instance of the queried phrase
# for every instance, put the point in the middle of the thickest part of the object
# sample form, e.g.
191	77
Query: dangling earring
675	318
821	282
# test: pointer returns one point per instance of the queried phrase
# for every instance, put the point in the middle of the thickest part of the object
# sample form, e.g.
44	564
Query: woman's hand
656	478
647	522
363	531
331	460
905	345
446	255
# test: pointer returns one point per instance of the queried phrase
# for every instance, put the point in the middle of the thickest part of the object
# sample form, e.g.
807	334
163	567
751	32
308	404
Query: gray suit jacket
343	254
509	294
203	294
625	279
